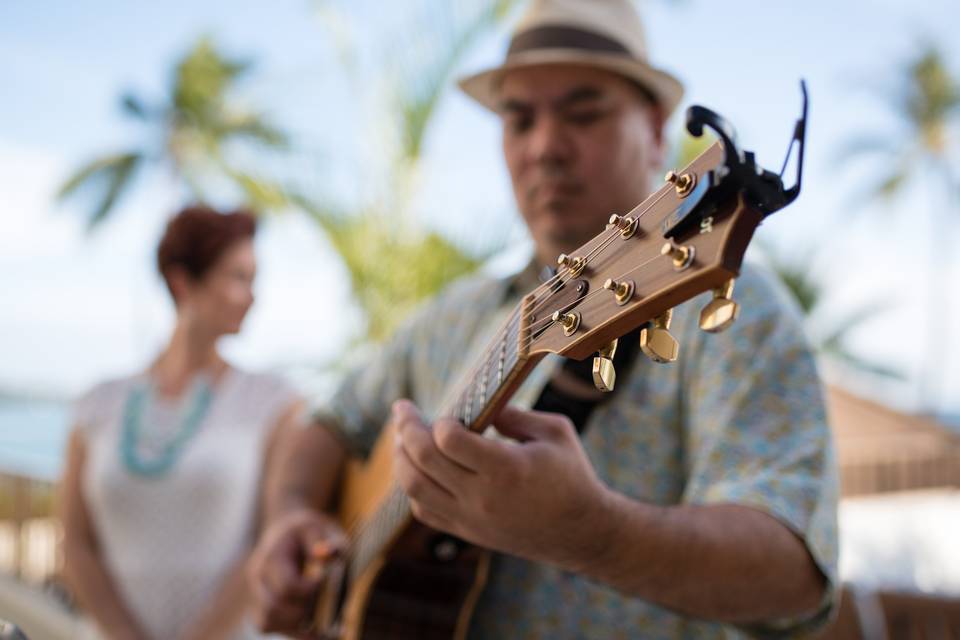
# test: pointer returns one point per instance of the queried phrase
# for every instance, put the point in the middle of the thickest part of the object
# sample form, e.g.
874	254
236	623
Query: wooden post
21	511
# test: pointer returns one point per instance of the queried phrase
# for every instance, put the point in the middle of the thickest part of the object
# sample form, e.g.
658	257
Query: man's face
580	144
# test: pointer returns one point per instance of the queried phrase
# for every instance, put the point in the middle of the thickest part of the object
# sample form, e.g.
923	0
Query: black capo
763	189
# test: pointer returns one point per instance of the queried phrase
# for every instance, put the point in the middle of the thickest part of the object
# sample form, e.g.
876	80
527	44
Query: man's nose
550	142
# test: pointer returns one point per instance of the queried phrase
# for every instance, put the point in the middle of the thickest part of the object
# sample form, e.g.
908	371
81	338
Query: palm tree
925	100
393	260
194	126
828	336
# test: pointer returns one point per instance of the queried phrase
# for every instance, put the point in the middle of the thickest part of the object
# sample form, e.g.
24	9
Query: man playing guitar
696	500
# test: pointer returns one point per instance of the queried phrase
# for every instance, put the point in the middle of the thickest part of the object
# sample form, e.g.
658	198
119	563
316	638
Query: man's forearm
722	562
305	472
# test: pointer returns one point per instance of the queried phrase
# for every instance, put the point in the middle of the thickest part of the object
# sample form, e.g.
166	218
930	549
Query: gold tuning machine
720	312
626	225
604	375
683	182
622	291
657	342
575	265
682	255
569	321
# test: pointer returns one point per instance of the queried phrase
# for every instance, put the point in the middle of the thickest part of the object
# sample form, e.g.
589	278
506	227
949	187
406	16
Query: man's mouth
552	191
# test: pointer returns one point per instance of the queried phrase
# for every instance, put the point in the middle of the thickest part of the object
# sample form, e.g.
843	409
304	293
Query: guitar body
423	585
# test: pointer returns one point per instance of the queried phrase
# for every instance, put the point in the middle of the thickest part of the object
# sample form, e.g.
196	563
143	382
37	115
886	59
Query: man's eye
584	117
519	124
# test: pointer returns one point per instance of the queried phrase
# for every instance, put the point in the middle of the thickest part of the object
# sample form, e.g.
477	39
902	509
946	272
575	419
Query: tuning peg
657	342
626	224
682	256
575	265
683	182
719	313
622	291
569	321
604	375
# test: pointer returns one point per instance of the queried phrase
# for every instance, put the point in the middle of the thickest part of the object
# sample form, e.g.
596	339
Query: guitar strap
579	409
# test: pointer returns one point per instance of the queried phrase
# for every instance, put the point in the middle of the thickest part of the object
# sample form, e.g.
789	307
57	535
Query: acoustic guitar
401	579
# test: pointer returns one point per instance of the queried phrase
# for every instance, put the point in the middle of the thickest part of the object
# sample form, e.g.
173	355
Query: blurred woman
160	494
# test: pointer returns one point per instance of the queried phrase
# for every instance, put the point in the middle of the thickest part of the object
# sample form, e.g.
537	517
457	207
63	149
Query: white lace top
168	541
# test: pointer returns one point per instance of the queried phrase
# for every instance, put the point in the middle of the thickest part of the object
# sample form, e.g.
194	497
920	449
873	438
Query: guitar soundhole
419	593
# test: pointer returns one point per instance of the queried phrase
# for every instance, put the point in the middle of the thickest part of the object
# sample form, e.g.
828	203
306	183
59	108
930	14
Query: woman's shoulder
102	399
262	388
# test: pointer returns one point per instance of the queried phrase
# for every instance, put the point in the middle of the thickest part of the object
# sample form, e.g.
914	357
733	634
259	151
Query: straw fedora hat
606	34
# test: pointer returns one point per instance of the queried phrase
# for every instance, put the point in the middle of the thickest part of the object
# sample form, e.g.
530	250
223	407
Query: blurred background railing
29	532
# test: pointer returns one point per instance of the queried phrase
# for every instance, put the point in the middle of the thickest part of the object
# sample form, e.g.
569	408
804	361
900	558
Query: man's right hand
283	591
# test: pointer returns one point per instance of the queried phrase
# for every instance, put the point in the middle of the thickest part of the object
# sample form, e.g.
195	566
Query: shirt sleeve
88	411
757	432
420	362
361	404
278	395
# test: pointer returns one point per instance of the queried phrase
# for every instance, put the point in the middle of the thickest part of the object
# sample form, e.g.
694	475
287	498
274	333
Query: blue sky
75	308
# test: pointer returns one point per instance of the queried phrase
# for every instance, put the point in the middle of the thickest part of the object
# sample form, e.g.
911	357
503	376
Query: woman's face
220	300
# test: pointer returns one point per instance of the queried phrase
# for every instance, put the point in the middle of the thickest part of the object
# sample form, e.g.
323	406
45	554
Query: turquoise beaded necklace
164	455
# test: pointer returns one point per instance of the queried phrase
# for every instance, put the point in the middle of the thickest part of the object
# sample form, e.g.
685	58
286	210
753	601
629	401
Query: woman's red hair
197	236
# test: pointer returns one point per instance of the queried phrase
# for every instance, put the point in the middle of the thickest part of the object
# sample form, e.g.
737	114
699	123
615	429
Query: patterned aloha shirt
739	418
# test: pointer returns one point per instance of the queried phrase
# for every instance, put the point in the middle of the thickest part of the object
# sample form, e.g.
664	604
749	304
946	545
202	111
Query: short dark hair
197	236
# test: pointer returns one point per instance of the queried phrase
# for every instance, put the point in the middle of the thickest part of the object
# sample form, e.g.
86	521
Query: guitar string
604	245
544	288
541	294
605	242
379	523
598	292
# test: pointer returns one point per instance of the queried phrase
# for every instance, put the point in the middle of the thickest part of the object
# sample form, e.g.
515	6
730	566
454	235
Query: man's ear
658	122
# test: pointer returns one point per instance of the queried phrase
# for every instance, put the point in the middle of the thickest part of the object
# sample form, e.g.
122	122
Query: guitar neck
475	399
502	367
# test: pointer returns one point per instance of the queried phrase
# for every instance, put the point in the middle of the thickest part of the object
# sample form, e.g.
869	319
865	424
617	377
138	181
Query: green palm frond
194	124
132	105
862	365
202	80
421	86
391	274
800	280
923	98
260	193
395	263
891	184
841	328
254	128
930	97
797	278
391	270
110	176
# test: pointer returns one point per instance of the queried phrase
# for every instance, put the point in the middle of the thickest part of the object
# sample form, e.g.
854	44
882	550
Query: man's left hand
537	496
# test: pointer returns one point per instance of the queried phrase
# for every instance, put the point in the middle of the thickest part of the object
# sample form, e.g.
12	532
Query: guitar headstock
688	237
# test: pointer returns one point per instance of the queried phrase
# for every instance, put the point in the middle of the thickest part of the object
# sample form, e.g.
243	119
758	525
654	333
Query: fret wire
491	348
496	353
483	381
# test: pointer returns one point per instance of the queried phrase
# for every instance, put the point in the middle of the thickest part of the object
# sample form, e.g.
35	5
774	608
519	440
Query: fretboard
493	375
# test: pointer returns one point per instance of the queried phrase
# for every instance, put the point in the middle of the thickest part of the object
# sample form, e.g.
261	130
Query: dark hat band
557	37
